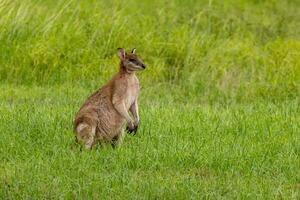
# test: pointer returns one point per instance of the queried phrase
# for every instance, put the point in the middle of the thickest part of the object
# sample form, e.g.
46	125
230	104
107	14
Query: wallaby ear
121	53
133	50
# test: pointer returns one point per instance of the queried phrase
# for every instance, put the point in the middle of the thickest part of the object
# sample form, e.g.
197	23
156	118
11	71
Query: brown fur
102	116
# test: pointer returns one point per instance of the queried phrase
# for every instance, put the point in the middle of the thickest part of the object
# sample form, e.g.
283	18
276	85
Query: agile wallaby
102	116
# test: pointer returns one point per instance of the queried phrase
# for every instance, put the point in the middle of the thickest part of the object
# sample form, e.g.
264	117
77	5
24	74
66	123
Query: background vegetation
220	114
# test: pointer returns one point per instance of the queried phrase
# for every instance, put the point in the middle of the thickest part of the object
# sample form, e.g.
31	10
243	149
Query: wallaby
102	116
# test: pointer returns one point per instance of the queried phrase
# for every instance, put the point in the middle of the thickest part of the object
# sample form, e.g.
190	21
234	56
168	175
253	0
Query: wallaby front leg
121	108
135	112
134	109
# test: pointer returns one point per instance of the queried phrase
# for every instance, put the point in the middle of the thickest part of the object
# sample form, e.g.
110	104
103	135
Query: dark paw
132	130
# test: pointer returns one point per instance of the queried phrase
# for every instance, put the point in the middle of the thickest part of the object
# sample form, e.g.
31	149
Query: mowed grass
219	104
181	151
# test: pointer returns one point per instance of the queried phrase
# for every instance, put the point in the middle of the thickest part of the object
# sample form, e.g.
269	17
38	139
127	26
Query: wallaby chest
132	91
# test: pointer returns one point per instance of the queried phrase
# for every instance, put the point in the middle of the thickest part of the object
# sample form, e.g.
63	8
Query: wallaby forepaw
129	130
132	130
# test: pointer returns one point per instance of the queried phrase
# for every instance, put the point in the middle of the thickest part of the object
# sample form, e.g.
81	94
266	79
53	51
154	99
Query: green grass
219	106
181	150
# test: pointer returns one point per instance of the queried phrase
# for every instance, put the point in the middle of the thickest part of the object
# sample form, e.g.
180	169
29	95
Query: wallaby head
130	62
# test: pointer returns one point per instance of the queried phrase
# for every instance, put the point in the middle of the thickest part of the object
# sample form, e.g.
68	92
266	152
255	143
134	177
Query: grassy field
219	105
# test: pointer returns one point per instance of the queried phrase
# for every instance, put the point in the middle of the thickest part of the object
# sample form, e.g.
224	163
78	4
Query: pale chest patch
130	100
132	92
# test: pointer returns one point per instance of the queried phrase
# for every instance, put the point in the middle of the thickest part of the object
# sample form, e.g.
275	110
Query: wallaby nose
144	66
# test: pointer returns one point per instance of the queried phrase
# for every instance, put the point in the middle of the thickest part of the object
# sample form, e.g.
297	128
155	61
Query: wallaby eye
131	60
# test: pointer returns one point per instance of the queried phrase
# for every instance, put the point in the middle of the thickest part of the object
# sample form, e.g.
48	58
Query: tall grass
239	49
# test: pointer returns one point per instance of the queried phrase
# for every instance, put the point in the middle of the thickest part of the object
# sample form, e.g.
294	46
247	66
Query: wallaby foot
117	140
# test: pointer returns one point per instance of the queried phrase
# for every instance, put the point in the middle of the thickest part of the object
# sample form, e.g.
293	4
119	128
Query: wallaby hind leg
86	134
117	140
